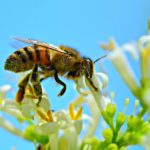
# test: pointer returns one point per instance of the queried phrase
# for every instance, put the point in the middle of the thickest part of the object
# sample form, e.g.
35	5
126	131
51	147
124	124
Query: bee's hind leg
60	82
22	85
35	80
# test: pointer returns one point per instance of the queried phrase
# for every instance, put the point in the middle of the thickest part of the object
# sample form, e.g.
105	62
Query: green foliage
31	135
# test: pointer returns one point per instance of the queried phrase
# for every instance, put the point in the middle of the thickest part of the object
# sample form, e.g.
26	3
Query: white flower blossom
121	63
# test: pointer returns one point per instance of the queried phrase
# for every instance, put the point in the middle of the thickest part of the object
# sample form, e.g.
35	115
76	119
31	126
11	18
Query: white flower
10	127
121	63
97	95
3	91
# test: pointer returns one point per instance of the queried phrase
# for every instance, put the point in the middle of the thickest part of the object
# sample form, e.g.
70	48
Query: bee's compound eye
88	60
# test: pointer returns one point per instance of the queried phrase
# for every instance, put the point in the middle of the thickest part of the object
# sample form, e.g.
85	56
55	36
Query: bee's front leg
60	82
35	80
92	84
22	85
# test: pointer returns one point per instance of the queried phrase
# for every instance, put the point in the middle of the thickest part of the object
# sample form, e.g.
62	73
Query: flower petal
47	128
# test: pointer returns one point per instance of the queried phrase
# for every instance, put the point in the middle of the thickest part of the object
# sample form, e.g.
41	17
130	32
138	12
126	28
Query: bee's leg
92	84
22	85
60	82
43	78
44	70
35	80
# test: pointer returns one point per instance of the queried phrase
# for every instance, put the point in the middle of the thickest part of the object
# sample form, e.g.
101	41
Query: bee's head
88	67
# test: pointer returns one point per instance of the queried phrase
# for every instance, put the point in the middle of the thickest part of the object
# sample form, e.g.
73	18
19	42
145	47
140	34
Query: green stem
114	137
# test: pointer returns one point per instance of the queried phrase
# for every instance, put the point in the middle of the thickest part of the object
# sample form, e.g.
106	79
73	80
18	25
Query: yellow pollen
49	115
79	113
73	115
146	52
1	102
145	62
71	111
45	116
110	46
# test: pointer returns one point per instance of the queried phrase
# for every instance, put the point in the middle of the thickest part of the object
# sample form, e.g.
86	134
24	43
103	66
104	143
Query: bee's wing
37	42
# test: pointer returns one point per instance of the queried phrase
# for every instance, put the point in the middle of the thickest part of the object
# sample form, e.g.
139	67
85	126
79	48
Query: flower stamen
45	116
79	113
110	46
73	115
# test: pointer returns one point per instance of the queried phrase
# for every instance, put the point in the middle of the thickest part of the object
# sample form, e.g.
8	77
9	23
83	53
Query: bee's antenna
99	58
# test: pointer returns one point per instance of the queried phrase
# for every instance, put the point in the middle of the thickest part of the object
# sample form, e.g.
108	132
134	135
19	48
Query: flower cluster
62	129
140	87
137	130
49	129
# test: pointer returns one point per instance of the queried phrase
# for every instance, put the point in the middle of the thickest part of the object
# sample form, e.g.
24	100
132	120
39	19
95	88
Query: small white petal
45	104
47	128
78	126
27	107
86	117
132	49
106	100
3	91
62	119
115	54
96	94
81	85
5	88
145	141
26	110
10	103
68	141
104	78
144	39
10	127
12	108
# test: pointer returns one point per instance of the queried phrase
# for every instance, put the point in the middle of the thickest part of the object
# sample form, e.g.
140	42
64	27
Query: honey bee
47	60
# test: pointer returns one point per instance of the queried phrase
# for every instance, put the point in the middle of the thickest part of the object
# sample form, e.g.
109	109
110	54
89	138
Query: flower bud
127	101
132	137
121	118
112	147
108	135
108	119
111	109
134	122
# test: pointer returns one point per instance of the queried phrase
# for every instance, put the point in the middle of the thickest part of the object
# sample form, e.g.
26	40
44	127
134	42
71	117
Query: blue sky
80	24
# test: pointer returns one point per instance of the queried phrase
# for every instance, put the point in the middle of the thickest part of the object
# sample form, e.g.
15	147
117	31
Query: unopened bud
135	122
127	101
111	109
121	118
112	95
112	147
108	134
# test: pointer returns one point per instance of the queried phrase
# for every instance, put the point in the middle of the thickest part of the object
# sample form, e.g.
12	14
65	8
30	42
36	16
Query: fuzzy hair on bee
46	60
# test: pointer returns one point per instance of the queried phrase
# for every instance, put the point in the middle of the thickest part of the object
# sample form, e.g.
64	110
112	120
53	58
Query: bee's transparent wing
17	44
37	42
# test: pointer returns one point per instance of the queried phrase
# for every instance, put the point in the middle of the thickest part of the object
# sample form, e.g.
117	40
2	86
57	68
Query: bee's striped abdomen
21	60
42	55
25	58
20	53
29	52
